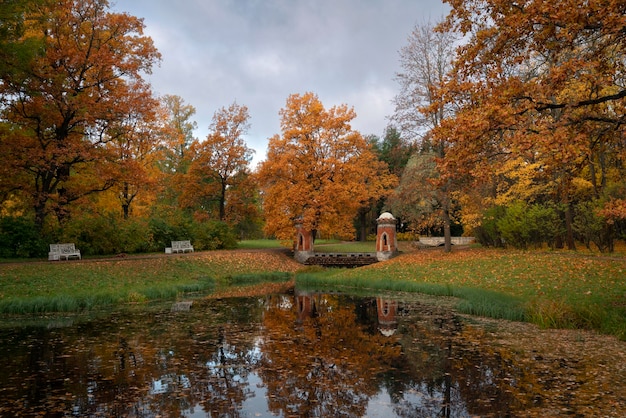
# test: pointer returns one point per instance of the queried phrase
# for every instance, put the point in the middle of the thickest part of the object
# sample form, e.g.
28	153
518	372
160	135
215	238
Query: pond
303	354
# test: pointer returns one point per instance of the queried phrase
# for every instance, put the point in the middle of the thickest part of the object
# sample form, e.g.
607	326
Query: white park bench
61	251
180	247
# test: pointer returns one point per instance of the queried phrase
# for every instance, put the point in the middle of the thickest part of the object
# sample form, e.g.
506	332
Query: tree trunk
223	201
447	236
569	238
363	224
125	202
40	213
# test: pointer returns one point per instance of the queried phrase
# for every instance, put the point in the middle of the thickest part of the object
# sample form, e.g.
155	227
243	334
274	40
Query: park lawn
259	244
88	284
345	247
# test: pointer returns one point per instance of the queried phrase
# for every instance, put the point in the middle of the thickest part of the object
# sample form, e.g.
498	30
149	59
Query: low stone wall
438	241
341	259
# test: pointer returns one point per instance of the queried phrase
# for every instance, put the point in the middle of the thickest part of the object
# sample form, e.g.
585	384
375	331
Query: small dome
386	215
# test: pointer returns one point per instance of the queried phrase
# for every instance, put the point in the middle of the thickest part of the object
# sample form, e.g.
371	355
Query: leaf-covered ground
564	363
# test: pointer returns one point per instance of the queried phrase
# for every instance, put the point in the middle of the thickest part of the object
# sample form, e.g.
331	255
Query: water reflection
299	354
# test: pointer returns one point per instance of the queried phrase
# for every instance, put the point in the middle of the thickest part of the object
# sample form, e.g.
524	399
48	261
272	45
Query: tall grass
329	282
491	304
256	278
91	301
79	286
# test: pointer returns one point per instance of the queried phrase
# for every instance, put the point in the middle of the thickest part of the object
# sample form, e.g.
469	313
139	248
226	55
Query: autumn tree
394	151
319	170
16	49
416	199
136	143
537	80
179	136
61	104
426	62
220	163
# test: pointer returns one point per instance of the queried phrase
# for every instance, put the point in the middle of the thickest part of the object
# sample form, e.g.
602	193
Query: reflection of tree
316	357
228	370
153	364
323	364
454	372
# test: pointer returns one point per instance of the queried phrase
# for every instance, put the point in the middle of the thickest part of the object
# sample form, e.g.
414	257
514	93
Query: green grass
264	244
256	278
71	286
259	244
345	247
472	301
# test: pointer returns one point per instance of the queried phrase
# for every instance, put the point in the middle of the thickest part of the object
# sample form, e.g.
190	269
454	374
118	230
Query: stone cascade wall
341	259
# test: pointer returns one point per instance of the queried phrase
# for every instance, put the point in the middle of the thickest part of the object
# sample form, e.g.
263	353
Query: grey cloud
258	52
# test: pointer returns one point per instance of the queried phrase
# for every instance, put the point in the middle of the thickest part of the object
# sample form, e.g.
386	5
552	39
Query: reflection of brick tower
387	310
306	306
303	247
386	241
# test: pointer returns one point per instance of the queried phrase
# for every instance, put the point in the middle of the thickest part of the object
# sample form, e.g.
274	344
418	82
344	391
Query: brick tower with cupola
386	240
303	246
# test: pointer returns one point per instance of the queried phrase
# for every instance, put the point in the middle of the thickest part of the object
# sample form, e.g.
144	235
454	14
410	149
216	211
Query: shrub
107	234
212	235
169	225
204	234
19	237
488	233
514	226
524	225
407	236
547	225
590	227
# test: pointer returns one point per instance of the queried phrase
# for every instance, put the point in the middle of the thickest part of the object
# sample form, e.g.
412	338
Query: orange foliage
85	80
219	166
614	210
318	169
537	84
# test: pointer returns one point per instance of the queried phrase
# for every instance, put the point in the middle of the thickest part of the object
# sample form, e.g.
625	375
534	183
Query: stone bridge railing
438	241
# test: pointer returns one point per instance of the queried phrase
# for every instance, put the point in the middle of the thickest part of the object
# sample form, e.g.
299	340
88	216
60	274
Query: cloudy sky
258	52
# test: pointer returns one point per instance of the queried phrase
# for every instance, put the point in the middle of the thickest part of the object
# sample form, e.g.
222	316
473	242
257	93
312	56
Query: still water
297	354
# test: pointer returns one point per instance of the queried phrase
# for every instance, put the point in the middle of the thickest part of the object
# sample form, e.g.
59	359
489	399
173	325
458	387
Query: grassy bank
260	244
565	290
355	247
561	290
90	284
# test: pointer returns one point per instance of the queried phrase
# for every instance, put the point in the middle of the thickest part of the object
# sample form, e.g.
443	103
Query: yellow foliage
521	180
